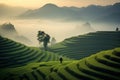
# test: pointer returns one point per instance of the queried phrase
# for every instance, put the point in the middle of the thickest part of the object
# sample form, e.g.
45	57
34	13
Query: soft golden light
39	3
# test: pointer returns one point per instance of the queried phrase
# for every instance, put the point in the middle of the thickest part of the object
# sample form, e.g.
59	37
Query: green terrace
93	56
104	65
88	44
13	54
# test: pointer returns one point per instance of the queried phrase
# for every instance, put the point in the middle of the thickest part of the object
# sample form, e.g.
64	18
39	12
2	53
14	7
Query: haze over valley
59	39
60	22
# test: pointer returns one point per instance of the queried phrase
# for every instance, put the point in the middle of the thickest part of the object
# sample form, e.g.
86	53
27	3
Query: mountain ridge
7	11
89	13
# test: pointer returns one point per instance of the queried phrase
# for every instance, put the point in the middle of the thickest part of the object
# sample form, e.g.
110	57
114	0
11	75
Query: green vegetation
104	65
86	45
13	54
19	62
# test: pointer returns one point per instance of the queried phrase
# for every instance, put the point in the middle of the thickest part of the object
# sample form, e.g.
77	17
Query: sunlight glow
39	3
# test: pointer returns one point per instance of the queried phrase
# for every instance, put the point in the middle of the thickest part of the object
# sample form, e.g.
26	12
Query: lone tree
43	37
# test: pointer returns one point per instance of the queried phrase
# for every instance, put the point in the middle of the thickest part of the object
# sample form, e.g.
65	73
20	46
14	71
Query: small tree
53	41
43	37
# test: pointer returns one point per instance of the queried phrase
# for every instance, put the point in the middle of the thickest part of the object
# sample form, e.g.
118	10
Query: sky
39	3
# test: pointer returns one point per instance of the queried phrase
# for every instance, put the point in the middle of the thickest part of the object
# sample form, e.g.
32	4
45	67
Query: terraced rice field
13	54
88	44
104	65
19	62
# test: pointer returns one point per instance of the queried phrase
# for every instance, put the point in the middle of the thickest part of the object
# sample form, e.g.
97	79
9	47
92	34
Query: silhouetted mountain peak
8	30
92	6
50	5
87	24
8	27
117	4
96	13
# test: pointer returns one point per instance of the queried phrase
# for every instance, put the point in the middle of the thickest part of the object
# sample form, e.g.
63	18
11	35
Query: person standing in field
117	29
61	59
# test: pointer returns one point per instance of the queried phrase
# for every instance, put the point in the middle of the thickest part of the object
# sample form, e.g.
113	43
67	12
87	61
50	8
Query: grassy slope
13	54
85	45
104	65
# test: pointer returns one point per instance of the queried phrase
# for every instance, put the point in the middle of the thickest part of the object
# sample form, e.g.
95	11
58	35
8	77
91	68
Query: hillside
9	11
13	54
8	30
95	13
104	65
84	28
85	45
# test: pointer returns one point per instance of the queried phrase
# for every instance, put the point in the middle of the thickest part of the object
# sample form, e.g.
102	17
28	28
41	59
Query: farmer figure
61	59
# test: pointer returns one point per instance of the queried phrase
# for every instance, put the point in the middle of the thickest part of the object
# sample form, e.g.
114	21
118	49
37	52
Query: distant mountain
8	30
84	28
49	11
89	13
110	14
8	11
